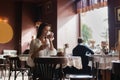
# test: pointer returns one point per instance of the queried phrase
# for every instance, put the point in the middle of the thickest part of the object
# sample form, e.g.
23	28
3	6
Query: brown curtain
87	5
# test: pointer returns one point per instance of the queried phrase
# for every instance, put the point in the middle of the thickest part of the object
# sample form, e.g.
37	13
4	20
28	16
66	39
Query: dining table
66	60
104	64
70	60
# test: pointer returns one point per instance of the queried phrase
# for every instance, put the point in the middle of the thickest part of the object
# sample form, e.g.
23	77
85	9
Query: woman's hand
51	36
44	46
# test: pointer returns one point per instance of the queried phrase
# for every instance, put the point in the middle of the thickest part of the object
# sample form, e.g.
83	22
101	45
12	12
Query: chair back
17	67
93	66
26	51
45	68
81	76
115	68
14	63
1	61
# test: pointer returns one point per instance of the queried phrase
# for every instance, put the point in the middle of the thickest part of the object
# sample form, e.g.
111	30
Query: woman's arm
51	45
51	38
52	50
35	49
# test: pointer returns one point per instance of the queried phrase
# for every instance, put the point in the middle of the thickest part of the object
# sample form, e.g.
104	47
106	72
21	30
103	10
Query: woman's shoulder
35	41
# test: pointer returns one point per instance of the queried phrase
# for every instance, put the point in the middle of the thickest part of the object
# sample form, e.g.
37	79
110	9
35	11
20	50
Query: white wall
68	25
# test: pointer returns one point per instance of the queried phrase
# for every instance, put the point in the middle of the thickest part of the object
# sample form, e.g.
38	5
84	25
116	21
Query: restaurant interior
19	21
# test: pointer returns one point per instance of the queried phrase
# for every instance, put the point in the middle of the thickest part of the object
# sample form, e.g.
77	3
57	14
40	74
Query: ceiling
33	1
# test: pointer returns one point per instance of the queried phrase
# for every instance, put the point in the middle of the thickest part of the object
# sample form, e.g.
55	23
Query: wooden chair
5	65
2	68
16	67
26	51
91	76
45	68
116	70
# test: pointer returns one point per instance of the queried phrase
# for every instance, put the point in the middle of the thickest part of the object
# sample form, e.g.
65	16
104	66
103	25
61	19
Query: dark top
82	50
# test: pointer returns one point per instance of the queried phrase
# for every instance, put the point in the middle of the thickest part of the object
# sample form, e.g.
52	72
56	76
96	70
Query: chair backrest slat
47	66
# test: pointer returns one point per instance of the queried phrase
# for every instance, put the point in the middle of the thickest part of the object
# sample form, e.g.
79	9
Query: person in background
104	47
33	37
65	48
82	51
92	46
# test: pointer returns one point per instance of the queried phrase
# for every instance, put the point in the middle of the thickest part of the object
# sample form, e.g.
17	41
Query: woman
43	44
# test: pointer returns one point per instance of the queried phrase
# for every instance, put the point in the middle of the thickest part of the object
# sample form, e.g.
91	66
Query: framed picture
117	14
117	35
117	43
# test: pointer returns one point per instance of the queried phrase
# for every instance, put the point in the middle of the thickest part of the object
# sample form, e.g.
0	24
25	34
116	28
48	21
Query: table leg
106	75
61	72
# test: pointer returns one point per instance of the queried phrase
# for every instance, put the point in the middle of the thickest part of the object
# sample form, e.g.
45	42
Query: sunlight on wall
67	33
27	35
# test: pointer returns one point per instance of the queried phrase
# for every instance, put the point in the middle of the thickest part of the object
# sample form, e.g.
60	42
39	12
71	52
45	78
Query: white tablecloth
74	61
71	60
105	61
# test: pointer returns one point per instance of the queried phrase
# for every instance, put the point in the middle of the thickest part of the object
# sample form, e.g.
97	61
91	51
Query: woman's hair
40	29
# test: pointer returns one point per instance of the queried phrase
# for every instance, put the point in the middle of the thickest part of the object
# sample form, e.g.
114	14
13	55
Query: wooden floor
19	77
12	78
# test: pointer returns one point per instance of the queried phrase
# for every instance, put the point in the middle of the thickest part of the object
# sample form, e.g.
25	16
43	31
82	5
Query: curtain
87	5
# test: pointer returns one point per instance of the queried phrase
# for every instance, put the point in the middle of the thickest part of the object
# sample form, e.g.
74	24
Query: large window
94	26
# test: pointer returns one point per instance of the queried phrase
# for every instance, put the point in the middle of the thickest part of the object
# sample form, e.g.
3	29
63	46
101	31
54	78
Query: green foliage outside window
86	33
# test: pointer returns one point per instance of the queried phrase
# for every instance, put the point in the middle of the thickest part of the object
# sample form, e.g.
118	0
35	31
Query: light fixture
3	19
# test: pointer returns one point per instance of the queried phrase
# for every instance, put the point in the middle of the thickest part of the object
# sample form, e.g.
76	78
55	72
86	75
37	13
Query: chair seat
21	69
2	65
83	76
77	76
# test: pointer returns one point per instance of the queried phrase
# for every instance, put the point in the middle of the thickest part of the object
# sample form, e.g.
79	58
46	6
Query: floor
19	77
12	78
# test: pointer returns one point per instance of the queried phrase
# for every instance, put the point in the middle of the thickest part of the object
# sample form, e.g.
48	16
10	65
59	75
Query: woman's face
46	30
